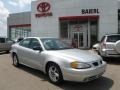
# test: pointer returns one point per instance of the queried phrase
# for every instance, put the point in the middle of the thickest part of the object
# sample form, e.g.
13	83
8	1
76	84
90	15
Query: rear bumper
84	75
109	53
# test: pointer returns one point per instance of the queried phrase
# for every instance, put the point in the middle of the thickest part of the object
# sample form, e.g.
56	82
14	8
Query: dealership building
86	21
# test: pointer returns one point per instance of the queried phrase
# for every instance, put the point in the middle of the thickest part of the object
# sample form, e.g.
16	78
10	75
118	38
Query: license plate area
93	77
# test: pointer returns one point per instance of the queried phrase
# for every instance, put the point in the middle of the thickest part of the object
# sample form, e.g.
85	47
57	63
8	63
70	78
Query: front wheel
15	60
54	74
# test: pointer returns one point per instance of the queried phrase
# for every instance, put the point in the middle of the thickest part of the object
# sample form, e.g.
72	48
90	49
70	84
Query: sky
11	6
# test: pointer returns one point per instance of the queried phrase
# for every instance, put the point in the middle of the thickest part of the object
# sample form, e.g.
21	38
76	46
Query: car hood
76	54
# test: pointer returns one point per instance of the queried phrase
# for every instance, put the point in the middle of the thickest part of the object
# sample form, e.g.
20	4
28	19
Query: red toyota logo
43	7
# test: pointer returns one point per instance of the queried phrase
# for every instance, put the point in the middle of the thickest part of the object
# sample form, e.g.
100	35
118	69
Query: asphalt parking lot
24	78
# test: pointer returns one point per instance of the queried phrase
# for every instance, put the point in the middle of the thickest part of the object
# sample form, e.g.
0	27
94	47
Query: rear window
113	38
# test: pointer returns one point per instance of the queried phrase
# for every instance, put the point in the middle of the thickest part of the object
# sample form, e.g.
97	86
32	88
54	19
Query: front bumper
84	75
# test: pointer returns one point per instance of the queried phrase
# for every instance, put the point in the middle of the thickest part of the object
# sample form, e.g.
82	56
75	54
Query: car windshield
113	38
54	44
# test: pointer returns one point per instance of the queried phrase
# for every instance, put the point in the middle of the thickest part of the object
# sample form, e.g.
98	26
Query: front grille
95	63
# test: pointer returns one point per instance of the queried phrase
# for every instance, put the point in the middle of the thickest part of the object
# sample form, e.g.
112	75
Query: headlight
79	65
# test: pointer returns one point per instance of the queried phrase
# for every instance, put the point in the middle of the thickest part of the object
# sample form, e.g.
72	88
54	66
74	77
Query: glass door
79	39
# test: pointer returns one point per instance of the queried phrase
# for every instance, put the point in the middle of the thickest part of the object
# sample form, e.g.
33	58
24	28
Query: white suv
110	46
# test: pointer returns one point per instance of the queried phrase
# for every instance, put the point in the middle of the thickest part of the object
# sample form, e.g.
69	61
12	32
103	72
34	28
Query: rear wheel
15	60
54	73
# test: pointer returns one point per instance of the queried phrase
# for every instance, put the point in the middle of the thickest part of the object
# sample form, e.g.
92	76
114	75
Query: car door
36	59
23	51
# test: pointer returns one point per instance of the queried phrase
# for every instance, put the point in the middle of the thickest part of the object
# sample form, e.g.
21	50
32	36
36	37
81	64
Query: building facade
85	21
19	25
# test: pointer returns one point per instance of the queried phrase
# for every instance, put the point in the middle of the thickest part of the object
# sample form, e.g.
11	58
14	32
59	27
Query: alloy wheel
15	60
54	74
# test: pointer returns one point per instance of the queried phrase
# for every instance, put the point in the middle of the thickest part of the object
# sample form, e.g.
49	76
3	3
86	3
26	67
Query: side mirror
37	48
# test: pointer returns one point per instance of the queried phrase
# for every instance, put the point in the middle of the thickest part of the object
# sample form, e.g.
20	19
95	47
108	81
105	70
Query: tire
15	60
54	74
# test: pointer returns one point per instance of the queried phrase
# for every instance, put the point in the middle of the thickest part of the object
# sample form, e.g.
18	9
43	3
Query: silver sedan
58	60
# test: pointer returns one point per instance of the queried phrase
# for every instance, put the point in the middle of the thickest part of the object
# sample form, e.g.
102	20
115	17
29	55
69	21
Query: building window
94	31
88	27
64	29
16	32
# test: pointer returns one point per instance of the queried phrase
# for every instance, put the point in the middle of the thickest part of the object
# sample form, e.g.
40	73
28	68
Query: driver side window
34	43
